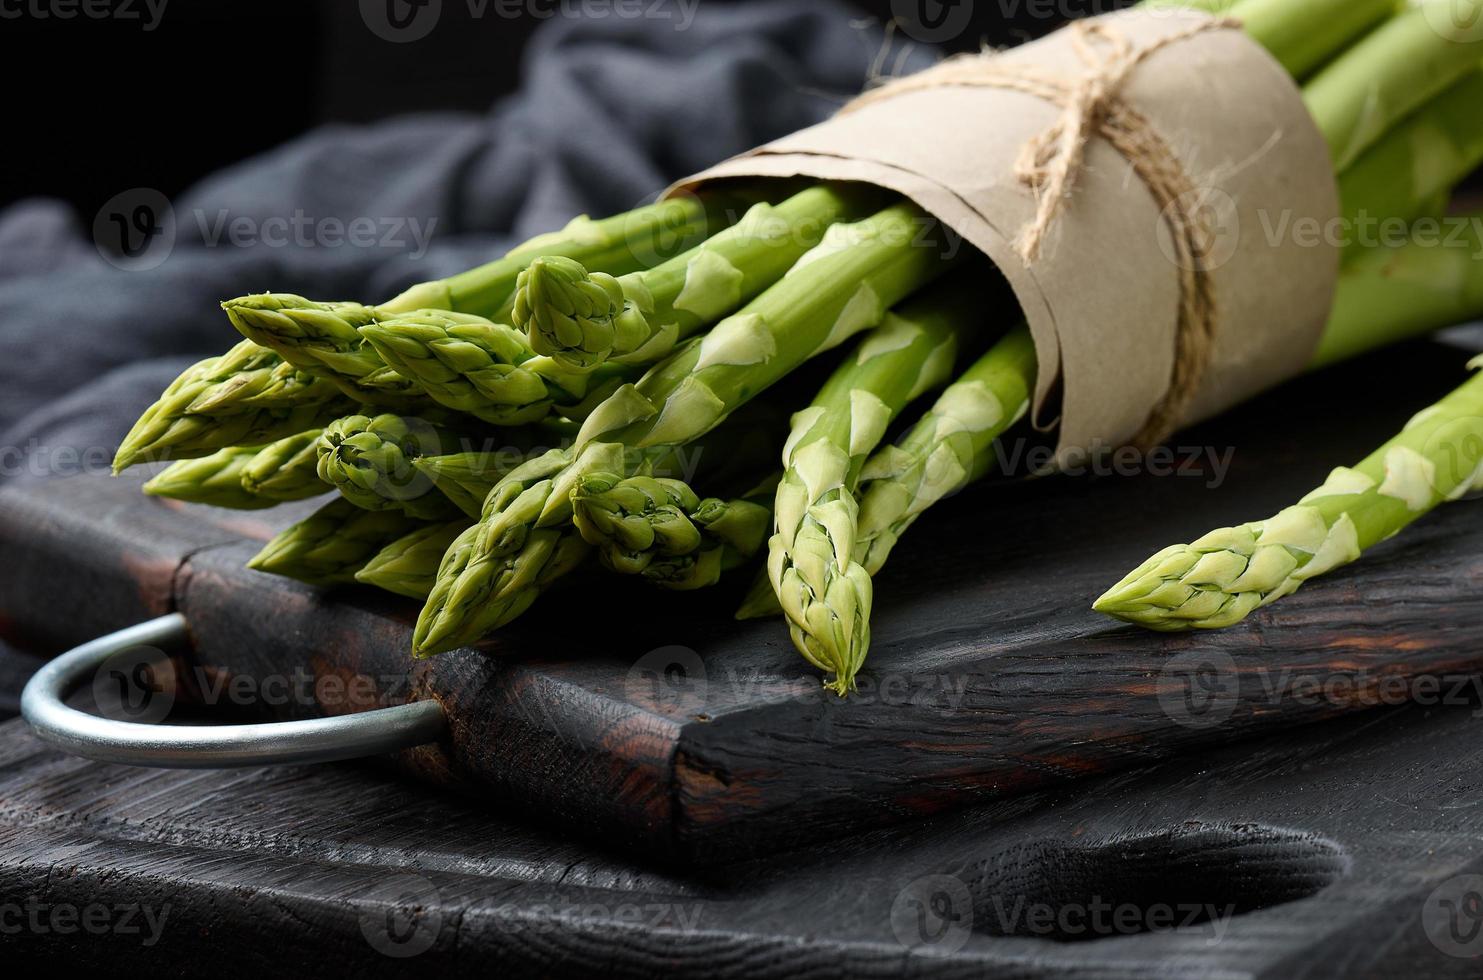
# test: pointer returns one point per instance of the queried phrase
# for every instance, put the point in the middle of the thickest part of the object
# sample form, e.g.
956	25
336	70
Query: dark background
96	106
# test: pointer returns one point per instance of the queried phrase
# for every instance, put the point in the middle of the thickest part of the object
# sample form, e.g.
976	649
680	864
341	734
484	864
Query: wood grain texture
1329	852
989	674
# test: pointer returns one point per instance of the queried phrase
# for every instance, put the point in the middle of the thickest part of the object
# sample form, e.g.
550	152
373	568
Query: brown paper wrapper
1103	297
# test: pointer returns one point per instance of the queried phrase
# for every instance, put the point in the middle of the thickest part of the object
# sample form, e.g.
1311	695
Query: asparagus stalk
285	470
1386	75
485	369
501	587
242	391
582	319
1302	35
839	288
369	460
329	546
1421	160
948	448
324	338
409	565
272	383
616	245
661	529
214	480
1387	295
1305	35
815	571
467	478
1221	578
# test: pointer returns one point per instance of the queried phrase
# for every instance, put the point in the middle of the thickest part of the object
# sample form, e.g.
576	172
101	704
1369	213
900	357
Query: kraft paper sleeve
1103	297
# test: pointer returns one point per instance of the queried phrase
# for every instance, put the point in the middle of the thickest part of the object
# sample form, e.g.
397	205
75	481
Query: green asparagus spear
329	546
369	460
1386	75
660	529
836	290
948	448
616	245
272	383
1387	295
286	470
214	480
506	584
582	319
824	589
1422	159
242	391
1221	578
485	369
324	338
1303	36
409	565
467	478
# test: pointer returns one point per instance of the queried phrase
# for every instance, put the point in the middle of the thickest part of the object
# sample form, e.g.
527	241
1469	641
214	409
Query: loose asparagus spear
286	470
409	565
660	529
369	460
1221	578
839	288
214	480
824	589
582	318
329	546
485	369
324	338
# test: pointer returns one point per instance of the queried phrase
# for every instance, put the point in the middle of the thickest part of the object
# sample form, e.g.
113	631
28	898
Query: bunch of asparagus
488	434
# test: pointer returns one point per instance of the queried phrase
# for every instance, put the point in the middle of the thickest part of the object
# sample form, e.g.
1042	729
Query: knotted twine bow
1093	105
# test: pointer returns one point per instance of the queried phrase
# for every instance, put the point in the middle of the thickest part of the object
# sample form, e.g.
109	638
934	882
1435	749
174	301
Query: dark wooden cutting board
656	721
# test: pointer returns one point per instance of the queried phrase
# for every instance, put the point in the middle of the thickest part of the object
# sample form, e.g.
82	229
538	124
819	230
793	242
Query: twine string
1050	162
